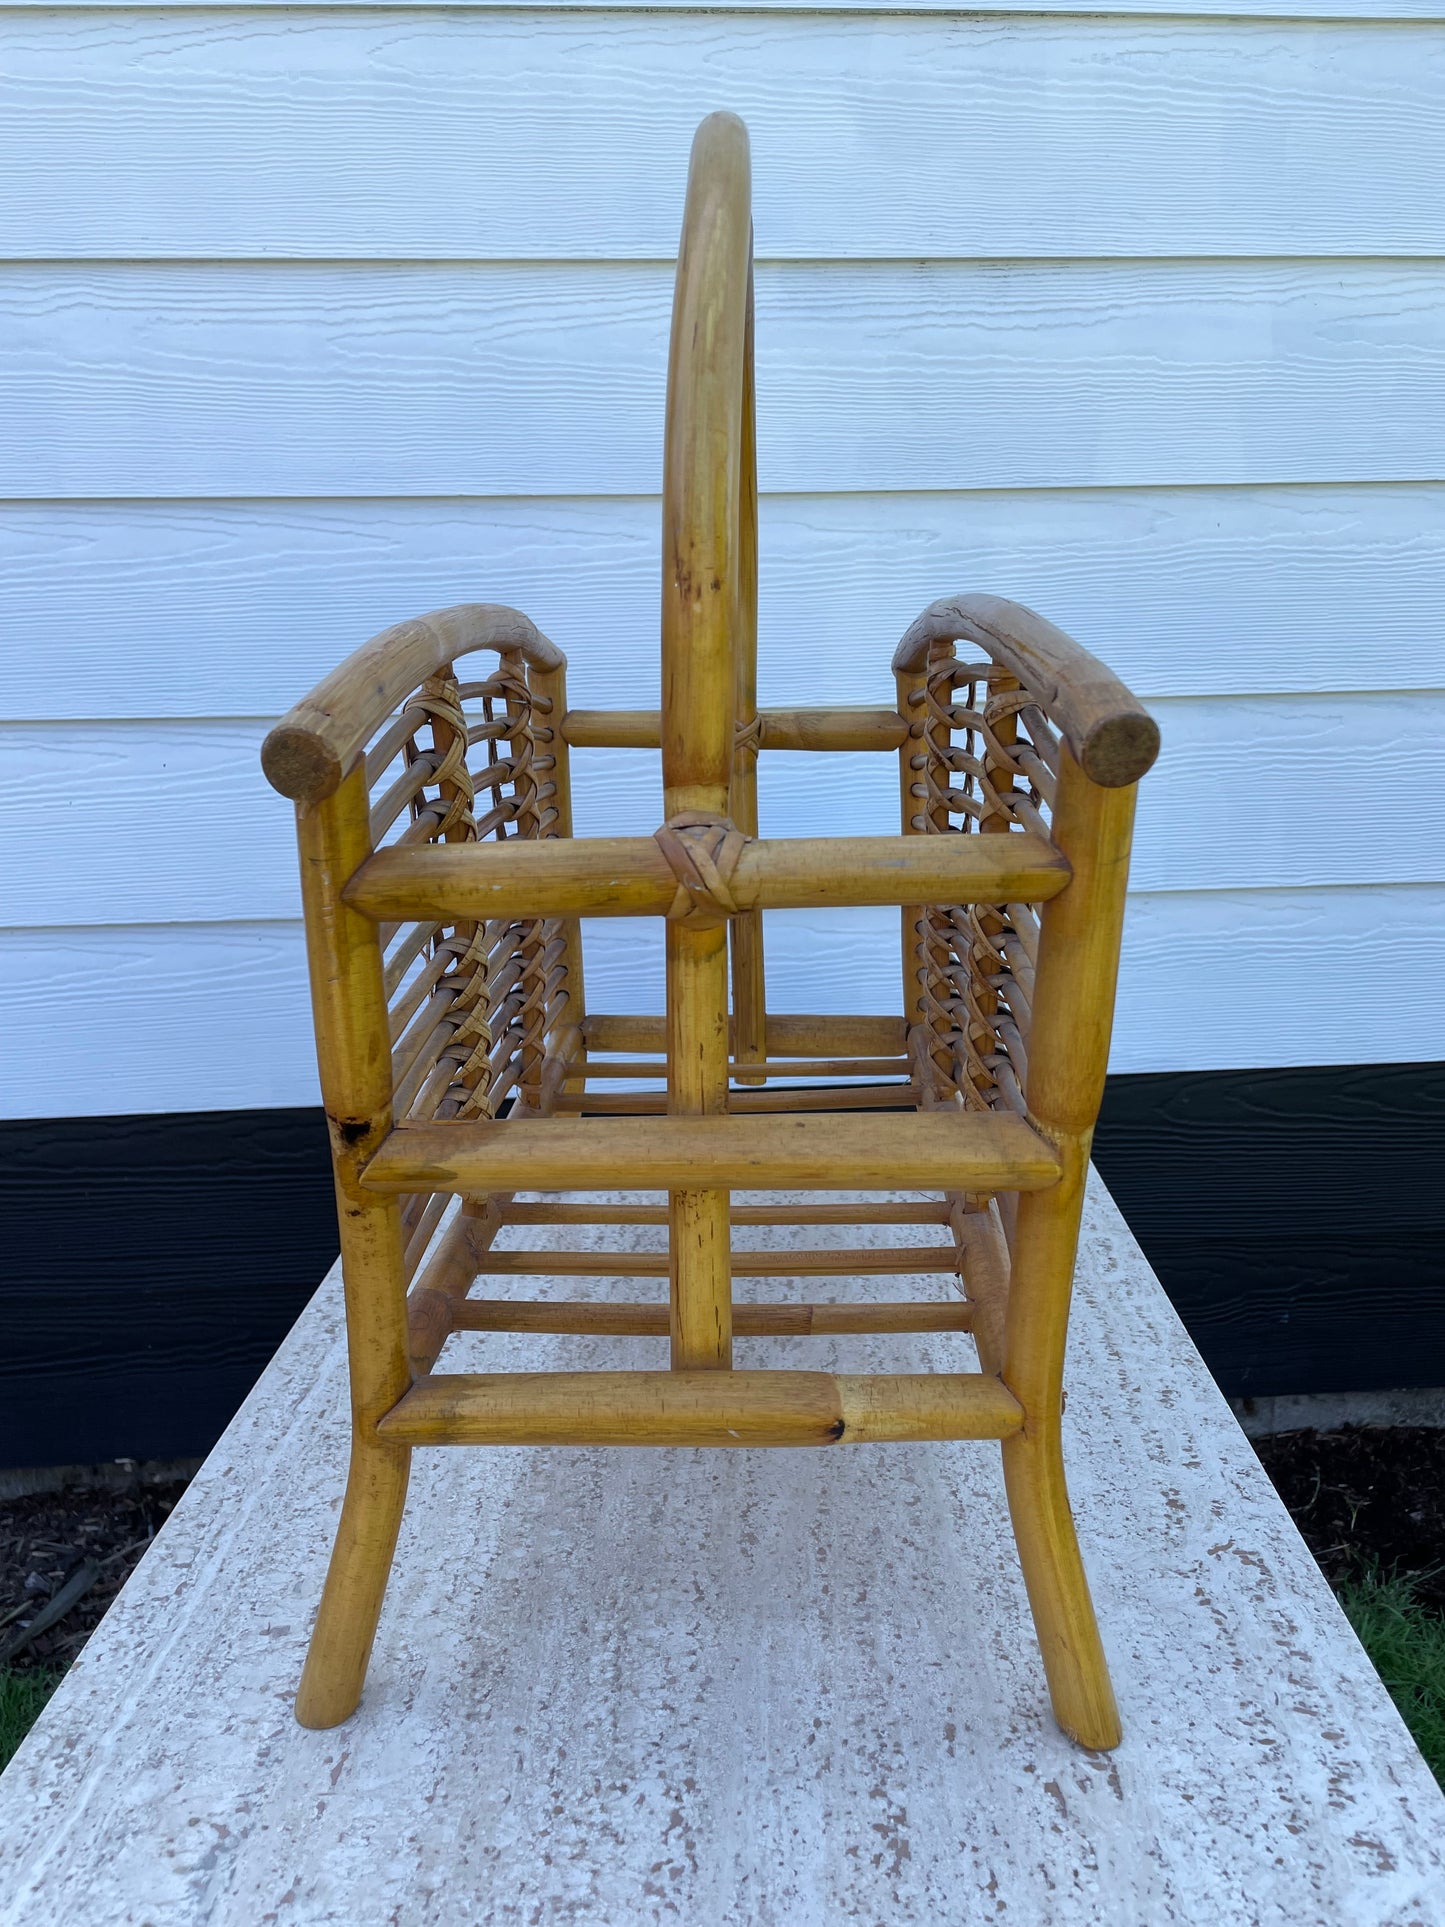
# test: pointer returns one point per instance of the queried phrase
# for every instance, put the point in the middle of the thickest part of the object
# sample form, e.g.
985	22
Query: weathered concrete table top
762	1688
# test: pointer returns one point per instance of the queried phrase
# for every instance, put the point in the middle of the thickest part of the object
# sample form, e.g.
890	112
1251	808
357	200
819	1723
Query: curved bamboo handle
1113	737
314	745
703	470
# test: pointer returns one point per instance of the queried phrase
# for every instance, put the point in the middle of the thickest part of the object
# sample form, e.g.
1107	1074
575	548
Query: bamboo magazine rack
443	884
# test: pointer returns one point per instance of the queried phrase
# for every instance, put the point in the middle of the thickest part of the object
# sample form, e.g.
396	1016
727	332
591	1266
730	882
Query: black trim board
153	1264
1295	1217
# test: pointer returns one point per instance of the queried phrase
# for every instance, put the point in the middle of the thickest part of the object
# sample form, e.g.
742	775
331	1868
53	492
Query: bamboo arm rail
628	876
1113	737
814	729
312	747
699	1408
946	1150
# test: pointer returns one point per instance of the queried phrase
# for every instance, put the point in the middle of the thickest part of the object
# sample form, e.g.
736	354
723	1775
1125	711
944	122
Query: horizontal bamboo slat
791	1035
741	1068
870	1261
699	1408
924	1211
628	876
620	1320
834	1097
815	729
945	1150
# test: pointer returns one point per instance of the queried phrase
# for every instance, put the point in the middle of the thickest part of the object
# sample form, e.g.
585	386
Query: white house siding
312	319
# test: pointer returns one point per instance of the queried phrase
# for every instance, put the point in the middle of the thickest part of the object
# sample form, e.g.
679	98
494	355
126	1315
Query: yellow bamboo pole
1068	1054
625	876
615	1320
803	1035
746	932
701	1408
826	729
979	1151
702	482
353	1051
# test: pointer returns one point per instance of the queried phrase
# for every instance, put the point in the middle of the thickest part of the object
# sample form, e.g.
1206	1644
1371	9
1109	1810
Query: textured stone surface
757	1689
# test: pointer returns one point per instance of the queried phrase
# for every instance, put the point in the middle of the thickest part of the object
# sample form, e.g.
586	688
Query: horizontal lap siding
1258	793
309	322
542	136
1389	11
176	1017
546	379
1185	591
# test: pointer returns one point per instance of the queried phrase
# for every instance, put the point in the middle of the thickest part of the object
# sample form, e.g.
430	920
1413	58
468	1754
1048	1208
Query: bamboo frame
629	876
692	1407
443	888
983	1151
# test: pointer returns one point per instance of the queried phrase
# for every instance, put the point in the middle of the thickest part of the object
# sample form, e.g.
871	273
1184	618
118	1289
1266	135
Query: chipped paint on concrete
746	1689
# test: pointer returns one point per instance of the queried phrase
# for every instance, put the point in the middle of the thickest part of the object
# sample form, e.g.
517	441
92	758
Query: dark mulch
1364	1497
1367	1496
79	1538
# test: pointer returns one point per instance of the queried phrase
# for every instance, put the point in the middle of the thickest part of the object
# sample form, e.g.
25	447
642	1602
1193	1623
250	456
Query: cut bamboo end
943	1150
314	744
700	1408
1113	736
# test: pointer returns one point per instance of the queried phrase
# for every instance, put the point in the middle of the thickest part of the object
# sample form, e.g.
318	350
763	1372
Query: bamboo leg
353	1051
1069	1049
340	1649
1033	1468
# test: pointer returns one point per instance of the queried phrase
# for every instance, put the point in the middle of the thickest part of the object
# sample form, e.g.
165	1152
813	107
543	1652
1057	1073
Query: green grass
22	1696
1406	1644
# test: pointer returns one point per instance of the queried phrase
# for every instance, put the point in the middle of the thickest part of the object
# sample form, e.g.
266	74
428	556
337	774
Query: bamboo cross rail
444	890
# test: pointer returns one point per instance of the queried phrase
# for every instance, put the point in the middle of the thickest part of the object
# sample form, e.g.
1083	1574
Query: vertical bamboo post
1068	1055
353	1052
746	932
702	476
